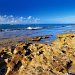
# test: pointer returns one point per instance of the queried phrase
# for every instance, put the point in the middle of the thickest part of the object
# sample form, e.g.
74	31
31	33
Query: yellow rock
57	58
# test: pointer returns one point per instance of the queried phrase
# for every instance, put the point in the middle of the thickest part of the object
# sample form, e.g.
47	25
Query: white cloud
29	17
18	20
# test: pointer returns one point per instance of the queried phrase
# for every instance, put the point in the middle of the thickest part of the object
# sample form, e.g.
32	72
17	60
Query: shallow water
21	31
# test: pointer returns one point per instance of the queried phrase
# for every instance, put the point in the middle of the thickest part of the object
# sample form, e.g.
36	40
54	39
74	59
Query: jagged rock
57	58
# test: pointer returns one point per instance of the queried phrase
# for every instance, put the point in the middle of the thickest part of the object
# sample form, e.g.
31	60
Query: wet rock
38	38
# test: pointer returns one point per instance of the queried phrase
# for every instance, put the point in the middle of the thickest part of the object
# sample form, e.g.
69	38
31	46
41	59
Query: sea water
31	30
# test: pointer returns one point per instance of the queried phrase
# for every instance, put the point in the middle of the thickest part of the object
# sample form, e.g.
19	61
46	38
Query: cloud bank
18	20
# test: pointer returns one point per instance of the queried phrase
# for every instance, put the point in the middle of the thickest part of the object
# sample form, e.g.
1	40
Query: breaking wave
33	28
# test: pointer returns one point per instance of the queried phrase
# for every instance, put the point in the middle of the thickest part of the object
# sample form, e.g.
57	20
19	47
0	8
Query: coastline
57	58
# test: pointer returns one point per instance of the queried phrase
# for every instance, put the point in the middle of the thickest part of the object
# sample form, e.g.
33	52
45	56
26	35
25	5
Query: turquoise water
25	31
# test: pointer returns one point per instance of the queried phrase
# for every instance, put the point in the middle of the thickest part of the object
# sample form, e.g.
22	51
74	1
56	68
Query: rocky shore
57	58
38	38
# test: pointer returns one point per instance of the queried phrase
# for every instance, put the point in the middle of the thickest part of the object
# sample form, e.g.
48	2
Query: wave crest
33	28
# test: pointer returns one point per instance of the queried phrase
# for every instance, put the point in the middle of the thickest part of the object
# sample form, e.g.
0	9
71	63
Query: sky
37	11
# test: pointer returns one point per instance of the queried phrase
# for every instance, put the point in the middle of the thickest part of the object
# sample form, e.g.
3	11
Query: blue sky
37	11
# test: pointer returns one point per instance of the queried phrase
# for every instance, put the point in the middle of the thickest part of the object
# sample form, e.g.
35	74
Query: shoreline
57	58
4	42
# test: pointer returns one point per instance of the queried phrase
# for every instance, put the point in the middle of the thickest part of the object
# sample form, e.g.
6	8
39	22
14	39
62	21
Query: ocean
30	30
